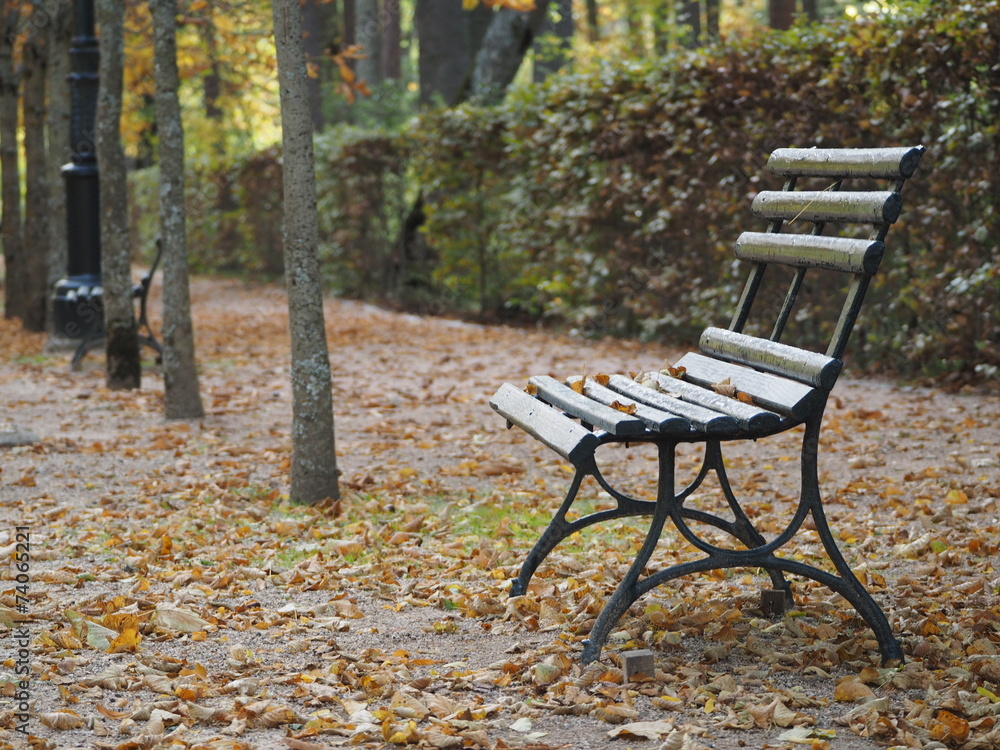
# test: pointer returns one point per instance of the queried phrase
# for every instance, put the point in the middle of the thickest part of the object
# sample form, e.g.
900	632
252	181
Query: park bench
94	300
769	387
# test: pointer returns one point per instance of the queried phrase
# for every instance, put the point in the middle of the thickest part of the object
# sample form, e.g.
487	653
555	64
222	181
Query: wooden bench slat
805	366
880	163
705	420
787	397
569	439
861	207
656	419
610	420
811	251
750	417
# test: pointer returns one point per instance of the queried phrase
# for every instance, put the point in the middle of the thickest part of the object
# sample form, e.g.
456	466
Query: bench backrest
799	235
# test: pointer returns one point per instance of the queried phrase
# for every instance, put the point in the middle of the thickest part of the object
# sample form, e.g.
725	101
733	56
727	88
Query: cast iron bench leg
559	528
627	591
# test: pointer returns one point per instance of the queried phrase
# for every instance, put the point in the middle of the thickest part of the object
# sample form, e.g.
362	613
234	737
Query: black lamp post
75	305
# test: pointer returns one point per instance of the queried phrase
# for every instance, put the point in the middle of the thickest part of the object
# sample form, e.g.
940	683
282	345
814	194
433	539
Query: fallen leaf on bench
725	388
649	383
674	372
602	379
624	408
531	389
577	385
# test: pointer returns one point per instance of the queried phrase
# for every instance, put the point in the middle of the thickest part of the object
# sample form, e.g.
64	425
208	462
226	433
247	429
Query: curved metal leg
555	532
860	599
628	591
852	590
742	527
559	528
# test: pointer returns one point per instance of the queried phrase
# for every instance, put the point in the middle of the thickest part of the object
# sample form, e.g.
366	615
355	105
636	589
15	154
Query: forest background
601	189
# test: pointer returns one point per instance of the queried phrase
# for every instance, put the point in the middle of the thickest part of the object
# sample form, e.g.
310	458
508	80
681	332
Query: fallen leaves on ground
178	600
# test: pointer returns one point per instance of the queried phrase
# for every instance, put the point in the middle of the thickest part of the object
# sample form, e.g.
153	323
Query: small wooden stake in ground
636	663
772	602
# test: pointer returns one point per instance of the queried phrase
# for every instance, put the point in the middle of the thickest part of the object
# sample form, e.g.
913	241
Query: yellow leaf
602	379
986	693
624	408
851	689
469	4
957	497
128	641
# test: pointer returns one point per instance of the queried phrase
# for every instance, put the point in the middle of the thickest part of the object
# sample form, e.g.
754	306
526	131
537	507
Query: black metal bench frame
94	335
787	387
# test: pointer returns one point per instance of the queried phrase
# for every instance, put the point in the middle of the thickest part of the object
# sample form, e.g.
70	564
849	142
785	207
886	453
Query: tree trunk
10	173
558	38
123	369
180	375
60	36
507	40
36	231
780	13
593	21
211	83
449	38
392	40
811	10
689	16
313	40
368	33
314	458
712	19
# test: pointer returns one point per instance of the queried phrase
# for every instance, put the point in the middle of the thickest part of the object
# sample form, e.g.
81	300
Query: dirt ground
176	600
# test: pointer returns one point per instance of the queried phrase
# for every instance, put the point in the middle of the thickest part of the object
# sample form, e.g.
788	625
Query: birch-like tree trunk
123	370
507	41
392	40
182	399
60	36
10	172
449	38
368	33
314	459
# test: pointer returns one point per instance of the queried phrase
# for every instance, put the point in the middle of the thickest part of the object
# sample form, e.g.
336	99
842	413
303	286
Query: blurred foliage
609	200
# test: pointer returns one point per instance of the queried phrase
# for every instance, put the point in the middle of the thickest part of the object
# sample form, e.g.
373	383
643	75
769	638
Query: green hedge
609	201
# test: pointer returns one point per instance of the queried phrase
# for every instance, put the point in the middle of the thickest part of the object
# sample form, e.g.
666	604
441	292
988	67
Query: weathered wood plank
787	397
570	440
883	163
656	419
880	207
751	418
610	420
779	359
811	251
705	420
